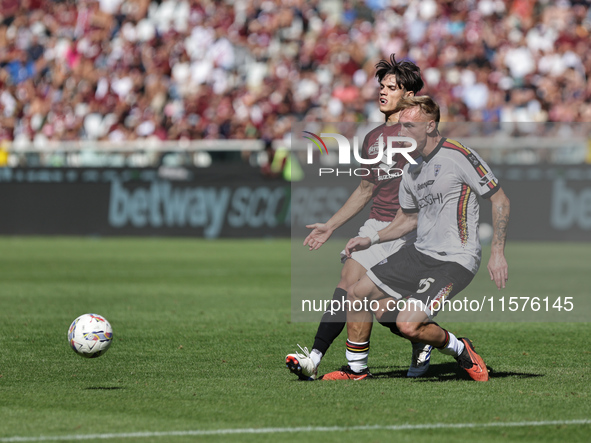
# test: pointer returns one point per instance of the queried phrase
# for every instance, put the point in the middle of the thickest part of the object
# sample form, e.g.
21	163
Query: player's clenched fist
357	244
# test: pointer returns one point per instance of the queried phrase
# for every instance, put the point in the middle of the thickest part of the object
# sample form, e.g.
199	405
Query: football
90	335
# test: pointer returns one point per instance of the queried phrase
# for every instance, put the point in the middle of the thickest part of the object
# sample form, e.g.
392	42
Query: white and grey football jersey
442	189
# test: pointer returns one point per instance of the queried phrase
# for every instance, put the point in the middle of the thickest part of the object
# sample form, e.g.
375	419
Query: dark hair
408	75
427	105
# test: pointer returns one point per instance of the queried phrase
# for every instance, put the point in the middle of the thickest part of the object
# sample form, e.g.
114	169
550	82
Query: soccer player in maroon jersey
397	79
438	199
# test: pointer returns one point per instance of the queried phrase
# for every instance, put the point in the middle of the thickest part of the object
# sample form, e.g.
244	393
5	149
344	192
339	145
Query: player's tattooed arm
497	265
501	209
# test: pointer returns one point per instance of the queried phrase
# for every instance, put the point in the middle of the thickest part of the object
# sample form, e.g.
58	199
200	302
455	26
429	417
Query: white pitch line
407	427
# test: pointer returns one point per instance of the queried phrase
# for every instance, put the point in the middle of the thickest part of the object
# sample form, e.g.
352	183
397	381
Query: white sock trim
316	357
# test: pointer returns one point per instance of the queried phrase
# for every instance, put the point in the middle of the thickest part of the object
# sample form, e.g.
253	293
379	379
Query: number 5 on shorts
424	284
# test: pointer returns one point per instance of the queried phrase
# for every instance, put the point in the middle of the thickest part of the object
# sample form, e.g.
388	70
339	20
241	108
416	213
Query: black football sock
391	323
393	328
331	325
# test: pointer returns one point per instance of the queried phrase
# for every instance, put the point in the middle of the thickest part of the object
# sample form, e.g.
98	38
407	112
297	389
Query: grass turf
201	331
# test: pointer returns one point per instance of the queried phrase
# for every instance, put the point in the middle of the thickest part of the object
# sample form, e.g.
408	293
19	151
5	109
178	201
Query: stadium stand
123	70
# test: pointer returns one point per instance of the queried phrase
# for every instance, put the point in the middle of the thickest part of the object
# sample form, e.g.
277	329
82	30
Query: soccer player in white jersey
438	198
397	79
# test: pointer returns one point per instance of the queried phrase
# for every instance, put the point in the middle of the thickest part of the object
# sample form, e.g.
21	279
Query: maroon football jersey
385	191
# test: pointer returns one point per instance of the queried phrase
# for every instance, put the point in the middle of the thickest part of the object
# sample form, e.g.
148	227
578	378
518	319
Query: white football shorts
371	256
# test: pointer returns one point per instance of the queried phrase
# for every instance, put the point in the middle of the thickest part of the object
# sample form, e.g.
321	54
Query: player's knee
352	295
346	283
350	274
409	330
355	293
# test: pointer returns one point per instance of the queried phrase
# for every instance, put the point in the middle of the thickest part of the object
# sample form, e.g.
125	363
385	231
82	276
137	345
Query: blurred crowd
121	70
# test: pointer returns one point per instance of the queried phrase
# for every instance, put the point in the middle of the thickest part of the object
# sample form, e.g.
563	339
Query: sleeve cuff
490	193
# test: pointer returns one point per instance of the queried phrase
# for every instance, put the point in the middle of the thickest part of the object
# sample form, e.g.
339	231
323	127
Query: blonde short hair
428	106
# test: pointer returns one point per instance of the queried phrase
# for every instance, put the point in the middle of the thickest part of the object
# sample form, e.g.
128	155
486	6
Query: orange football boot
472	362
346	373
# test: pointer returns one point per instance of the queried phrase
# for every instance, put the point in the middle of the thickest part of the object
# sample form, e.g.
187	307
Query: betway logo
384	154
209	208
569	207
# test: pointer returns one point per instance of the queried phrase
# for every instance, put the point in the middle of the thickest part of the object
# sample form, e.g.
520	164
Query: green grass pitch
201	332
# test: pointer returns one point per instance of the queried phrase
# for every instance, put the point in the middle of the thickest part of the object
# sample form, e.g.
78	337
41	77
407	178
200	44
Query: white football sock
357	355
316	357
454	346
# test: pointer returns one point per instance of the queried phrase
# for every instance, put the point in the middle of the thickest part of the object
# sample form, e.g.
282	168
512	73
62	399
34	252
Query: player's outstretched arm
321	232
402	224
497	264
